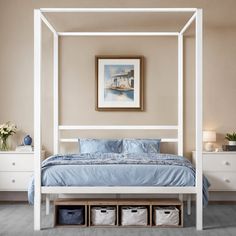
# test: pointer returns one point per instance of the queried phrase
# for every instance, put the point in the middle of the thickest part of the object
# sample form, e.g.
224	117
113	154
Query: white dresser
16	169
220	169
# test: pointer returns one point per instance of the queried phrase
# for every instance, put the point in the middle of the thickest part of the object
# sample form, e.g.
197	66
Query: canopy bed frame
39	17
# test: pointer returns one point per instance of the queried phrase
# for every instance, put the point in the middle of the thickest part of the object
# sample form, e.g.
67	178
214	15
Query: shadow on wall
16	139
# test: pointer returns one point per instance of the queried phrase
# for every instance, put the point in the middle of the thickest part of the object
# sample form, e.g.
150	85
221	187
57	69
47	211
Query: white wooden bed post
38	18
55	107
180	100
37	118
55	95
180	94
198	107
180	87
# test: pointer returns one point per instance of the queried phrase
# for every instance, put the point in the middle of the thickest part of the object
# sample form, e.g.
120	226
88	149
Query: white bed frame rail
117	127
39	189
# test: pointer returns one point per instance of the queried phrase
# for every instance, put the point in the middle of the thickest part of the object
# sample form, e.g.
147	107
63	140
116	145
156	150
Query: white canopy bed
39	17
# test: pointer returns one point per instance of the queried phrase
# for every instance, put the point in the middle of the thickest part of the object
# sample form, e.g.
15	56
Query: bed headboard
58	140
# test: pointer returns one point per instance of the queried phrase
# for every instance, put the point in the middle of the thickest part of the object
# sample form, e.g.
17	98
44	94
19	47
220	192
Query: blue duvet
113	169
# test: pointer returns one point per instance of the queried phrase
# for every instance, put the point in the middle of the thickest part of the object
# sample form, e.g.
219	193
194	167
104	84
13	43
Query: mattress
112	169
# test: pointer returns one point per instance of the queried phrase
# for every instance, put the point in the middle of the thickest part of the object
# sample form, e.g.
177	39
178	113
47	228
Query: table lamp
209	137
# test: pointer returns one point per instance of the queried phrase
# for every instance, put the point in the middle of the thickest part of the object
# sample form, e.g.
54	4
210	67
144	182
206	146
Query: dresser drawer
219	162
225	181
16	163
14	181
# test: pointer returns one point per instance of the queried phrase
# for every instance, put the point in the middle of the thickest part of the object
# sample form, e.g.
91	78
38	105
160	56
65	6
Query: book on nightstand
24	148
229	148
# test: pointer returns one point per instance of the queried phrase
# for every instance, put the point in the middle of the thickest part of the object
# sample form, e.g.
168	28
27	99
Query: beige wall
77	80
77	72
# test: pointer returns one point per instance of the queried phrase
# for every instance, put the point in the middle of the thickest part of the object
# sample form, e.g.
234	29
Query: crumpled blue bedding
118	169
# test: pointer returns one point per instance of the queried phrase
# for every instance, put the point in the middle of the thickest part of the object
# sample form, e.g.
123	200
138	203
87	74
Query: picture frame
119	83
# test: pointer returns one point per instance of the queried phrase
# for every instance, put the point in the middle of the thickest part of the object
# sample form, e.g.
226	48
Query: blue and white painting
119	83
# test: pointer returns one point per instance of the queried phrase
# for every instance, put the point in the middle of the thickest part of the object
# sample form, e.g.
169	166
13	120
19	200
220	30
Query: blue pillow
100	145
141	145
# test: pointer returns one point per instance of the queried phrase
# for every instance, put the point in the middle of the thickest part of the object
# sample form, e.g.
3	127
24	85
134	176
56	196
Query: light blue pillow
88	145
141	145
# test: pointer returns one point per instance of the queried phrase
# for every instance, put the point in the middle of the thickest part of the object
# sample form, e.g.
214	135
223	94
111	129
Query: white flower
7	129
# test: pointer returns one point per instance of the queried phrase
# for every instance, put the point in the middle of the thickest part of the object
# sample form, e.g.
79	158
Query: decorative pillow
88	145
141	145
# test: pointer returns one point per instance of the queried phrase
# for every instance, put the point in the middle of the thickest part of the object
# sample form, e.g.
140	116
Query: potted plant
231	138
7	129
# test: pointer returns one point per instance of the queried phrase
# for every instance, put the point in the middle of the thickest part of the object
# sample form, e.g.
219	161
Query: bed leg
199	212
47	204
189	204
181	197
37	210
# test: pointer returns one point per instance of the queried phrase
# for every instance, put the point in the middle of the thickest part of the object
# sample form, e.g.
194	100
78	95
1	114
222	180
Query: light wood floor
17	220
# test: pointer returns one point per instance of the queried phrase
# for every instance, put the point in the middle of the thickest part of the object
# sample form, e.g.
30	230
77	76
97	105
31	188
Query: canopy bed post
55	107
184	29
55	101
198	87
180	100
180	94
37	118
55	96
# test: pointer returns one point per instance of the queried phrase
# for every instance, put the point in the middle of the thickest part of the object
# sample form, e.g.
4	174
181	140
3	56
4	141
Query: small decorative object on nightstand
232	142
209	137
24	148
27	140
231	139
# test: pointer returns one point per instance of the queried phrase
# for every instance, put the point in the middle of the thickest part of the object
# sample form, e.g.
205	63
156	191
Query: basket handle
70	212
167	212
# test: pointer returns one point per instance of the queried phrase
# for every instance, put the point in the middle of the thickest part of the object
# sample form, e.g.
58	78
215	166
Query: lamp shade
209	136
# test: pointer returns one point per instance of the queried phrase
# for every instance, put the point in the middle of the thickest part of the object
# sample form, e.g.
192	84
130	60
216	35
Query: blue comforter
113	169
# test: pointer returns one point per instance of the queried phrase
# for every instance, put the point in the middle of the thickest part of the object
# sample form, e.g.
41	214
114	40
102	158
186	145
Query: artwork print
119	83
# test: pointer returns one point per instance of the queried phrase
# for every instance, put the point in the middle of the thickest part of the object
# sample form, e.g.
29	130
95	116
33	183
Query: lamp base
209	147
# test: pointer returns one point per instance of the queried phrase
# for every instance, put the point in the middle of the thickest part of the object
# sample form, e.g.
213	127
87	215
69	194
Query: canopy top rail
117	10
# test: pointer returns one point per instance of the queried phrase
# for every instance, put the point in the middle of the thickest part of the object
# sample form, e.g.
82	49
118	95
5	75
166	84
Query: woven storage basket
166	216
69	216
134	216
103	216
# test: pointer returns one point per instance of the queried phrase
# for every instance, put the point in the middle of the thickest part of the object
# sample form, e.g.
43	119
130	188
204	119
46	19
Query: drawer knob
13	163
226	163
227	180
13	181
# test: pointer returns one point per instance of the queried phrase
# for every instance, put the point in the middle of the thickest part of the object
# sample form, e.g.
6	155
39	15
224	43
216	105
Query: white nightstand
220	169
16	169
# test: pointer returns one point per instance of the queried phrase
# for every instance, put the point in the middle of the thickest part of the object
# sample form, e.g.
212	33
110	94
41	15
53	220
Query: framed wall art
119	83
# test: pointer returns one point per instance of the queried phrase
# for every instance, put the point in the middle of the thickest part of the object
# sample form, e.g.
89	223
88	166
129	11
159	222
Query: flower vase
3	145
